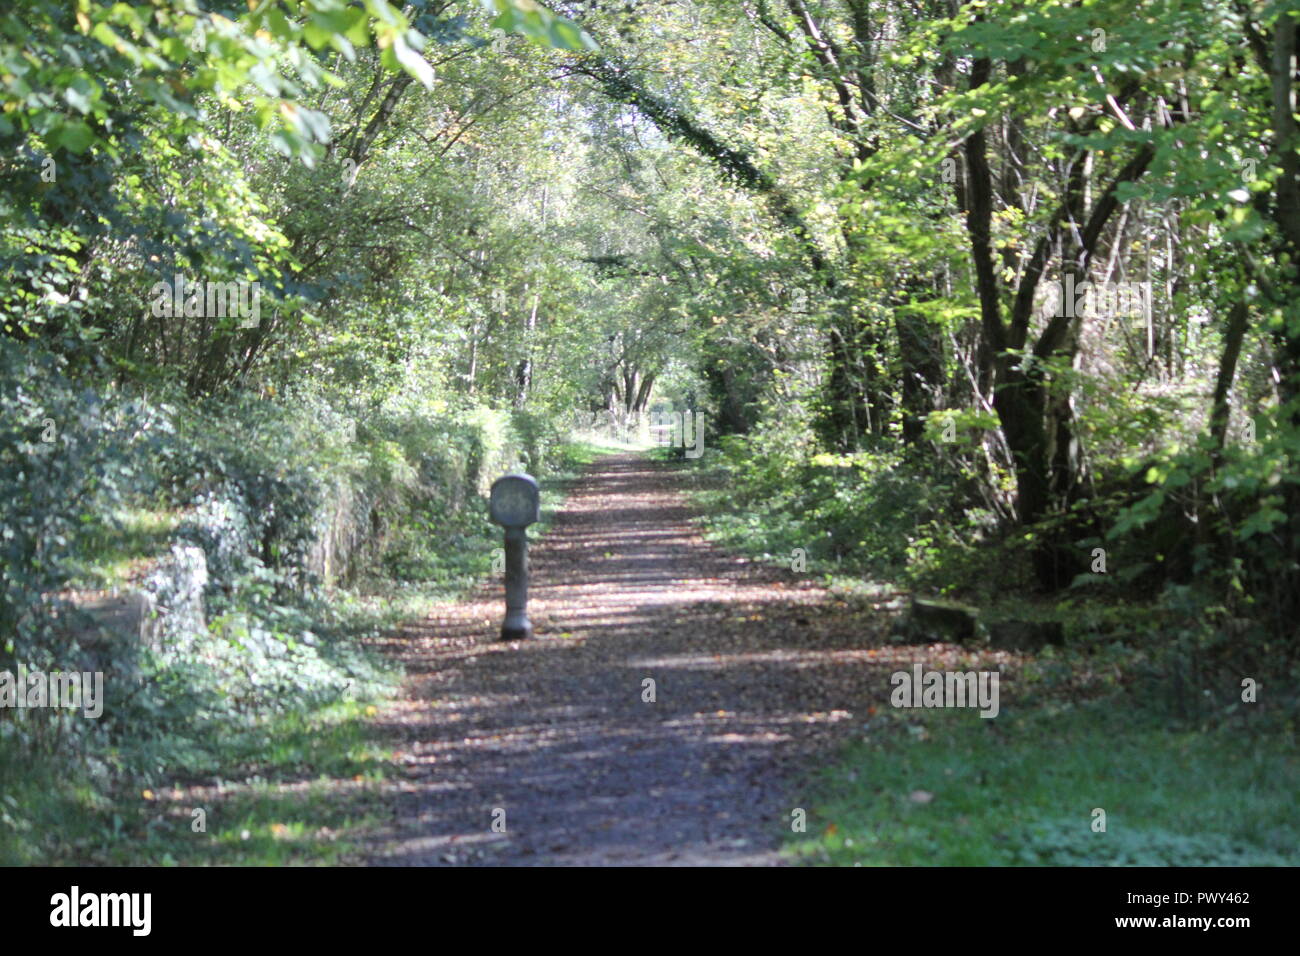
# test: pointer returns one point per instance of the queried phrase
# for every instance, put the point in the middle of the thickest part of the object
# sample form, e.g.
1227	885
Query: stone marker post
515	504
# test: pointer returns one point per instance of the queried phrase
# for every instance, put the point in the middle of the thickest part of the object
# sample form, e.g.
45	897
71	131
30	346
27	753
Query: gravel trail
758	672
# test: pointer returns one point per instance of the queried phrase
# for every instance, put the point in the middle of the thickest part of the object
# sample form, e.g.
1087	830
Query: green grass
300	788
575	455
1020	789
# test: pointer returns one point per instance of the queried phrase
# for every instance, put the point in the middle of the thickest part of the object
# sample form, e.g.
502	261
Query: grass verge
1025	788
303	787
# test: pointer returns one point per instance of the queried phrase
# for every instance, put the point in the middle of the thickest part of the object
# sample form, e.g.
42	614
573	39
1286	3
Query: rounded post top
515	501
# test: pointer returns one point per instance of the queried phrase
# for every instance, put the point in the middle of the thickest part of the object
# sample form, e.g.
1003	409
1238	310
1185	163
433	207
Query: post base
516	633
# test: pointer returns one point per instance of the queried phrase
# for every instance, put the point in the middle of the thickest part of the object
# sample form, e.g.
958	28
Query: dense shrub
868	511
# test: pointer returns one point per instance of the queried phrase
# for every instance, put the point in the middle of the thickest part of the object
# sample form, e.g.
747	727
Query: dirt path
758	672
